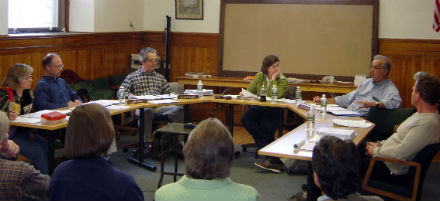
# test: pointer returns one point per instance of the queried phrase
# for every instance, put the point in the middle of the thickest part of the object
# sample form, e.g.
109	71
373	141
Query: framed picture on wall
189	9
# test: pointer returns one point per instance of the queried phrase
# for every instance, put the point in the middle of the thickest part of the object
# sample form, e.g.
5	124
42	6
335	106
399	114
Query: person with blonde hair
19	180
209	154
87	175
16	99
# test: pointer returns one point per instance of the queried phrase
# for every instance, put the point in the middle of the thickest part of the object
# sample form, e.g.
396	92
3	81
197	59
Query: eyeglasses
151	60
29	77
59	66
377	67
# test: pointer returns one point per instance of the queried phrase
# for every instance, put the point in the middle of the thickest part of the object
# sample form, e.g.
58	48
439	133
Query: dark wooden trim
375	24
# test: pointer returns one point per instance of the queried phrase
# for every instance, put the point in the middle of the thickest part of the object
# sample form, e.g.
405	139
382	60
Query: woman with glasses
16	99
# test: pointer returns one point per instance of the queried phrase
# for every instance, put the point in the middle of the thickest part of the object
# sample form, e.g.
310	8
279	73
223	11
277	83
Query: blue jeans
261	123
35	149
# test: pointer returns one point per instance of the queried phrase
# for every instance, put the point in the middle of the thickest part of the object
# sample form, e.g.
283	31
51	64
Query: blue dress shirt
53	93
370	91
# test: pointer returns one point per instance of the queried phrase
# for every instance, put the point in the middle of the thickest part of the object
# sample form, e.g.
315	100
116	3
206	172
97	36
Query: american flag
436	24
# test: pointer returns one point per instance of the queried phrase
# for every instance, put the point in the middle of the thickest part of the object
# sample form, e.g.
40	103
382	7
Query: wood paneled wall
190	52
90	55
94	55
409	57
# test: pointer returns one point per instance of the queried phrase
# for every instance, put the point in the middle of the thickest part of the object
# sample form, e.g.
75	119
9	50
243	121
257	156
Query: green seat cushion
116	80
99	83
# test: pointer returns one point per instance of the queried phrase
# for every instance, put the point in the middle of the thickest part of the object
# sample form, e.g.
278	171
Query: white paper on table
118	107
337	132
289	101
164	101
36	114
308	146
21	119
232	96
352	123
104	103
248	94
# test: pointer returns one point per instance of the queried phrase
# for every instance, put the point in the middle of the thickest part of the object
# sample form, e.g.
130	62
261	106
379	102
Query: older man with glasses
52	91
377	91
146	81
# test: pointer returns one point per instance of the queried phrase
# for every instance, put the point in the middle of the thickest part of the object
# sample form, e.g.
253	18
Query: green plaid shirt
20	181
141	83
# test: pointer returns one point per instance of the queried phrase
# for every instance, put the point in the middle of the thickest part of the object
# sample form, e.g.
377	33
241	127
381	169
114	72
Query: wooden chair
127	124
415	177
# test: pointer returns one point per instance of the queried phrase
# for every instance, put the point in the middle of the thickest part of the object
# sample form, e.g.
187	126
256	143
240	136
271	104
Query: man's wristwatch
377	104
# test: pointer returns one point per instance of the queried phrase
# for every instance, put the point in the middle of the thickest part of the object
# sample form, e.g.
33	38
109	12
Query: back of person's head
89	133
144	51
428	86
4	125
209	152
267	62
336	163
386	61
47	60
15	73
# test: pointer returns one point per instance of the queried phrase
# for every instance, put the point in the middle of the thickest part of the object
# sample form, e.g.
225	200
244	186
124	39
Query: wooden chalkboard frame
374	39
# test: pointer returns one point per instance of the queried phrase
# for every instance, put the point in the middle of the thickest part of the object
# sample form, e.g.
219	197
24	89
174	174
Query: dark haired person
87	175
336	170
262	122
377	91
209	154
146	81
18	180
415	133
52	91
16	99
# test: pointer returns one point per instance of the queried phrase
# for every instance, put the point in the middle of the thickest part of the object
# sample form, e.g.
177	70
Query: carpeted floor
271	186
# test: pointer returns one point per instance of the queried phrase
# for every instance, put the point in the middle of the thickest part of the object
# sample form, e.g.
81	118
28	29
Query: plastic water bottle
311	120
323	104
274	96
298	95
200	88
122	95
263	93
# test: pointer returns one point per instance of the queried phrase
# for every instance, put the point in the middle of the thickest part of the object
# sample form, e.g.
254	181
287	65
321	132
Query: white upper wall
116	15
156	10
407	19
106	15
3	17
403	19
81	15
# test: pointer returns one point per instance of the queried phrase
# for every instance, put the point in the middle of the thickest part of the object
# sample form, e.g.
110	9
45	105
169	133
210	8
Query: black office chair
385	121
410	190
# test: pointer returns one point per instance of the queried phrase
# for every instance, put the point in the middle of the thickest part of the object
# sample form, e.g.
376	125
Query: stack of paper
339	111
352	123
337	132
206	92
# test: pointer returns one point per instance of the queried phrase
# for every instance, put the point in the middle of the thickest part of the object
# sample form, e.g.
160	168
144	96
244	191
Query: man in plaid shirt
18	180
146	81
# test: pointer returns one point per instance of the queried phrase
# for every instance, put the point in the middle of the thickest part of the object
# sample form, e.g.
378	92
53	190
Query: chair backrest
424	158
385	120
176	87
290	92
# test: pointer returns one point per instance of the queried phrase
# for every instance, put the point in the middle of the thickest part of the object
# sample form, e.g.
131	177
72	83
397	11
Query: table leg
280	125
51	152
140	161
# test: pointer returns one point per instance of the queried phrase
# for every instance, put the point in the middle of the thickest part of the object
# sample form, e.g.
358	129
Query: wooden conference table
238	82
282	147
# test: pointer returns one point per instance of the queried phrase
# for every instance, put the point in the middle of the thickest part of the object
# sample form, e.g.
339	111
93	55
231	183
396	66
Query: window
26	16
